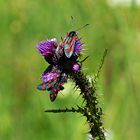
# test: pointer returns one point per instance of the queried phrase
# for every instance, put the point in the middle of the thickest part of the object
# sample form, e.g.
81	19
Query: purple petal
49	76
78	47
54	41
46	48
76	67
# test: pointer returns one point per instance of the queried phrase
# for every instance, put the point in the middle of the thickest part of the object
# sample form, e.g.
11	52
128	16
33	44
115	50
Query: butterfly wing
69	46
68	50
53	81
46	85
49	80
55	89
68	43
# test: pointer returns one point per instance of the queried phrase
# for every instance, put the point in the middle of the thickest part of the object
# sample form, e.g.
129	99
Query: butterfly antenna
72	21
82	27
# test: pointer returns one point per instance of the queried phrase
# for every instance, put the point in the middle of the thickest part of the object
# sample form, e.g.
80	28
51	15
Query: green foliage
23	24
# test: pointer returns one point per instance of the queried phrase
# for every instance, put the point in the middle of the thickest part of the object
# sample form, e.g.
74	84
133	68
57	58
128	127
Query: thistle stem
91	110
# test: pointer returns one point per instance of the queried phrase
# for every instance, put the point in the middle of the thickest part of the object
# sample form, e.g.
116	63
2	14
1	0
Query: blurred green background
23	23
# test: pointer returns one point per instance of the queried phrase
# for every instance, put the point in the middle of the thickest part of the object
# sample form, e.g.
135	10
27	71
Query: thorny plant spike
91	111
64	63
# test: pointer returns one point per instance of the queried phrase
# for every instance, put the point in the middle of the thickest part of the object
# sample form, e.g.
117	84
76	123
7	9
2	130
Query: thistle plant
65	64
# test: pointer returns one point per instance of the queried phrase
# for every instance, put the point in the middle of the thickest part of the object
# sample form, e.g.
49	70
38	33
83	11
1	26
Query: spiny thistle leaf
96	76
78	110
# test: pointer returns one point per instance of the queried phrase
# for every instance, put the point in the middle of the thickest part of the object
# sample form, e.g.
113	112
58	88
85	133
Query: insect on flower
63	60
68	43
53	79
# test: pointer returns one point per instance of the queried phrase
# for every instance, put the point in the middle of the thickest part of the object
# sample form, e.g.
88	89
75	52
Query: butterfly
68	43
53	79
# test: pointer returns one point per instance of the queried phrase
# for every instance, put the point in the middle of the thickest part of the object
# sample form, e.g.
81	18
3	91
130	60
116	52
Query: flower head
78	47
76	67
47	48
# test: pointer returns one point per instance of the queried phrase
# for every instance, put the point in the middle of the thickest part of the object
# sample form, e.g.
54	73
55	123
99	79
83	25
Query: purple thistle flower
76	67
47	48
49	76
78	47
